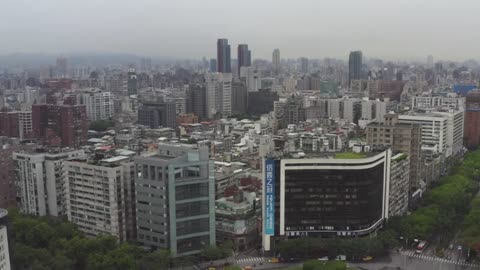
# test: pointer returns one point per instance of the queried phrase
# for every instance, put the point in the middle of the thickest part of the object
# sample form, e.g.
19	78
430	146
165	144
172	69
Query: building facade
404	138
157	114
472	120
244	57
223	56
399	184
236	219
175	203
40	182
325	197
276	65
100	196
60	125
99	105
9	124
219	94
197	100
434	131
4	246
354	66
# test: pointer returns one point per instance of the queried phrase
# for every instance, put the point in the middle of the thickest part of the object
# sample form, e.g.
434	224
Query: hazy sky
447	29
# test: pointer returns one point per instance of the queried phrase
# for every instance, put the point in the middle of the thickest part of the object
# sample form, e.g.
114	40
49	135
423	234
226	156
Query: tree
101	125
160	259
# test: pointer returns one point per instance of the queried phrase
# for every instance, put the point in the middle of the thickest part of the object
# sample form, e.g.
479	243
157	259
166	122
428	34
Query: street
408	260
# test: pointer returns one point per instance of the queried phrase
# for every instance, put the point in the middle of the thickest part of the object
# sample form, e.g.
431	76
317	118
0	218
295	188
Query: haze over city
406	30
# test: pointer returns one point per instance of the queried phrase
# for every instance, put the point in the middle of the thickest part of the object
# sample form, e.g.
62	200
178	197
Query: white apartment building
434	130
99	105
428	102
334	106
4	250
219	94
455	130
100	196
351	109
40	181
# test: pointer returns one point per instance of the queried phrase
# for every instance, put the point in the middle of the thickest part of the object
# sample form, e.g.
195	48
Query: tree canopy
49	243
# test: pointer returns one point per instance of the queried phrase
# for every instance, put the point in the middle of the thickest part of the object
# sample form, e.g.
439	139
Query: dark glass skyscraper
223	56
244	56
354	66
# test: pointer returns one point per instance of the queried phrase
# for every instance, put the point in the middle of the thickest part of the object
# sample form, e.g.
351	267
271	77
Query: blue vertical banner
269	197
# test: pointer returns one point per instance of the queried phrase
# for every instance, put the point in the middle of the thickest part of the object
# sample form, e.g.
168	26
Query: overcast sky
400	29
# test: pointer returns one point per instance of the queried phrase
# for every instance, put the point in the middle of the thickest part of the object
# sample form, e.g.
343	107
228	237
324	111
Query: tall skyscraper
276	61
244	56
175	202
223	56
303	65
430	61
354	66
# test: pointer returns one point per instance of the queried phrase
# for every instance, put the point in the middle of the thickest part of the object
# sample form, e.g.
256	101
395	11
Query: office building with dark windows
326	197
175	199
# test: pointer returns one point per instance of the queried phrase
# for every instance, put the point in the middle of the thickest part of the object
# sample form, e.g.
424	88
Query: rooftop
350	155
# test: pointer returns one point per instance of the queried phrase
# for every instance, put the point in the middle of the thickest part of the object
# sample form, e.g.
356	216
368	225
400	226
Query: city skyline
323	30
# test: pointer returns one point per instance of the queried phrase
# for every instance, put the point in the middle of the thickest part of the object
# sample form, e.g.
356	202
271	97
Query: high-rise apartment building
9	124
402	137
352	109
132	82
239	98
25	124
197	100
253	78
60	125
304	65
40	181
354	66
157	114
434	131
399	184
276	65
219	94
455	130
223	56
99	105
4	248
472	120
100	196
175	200
244	57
